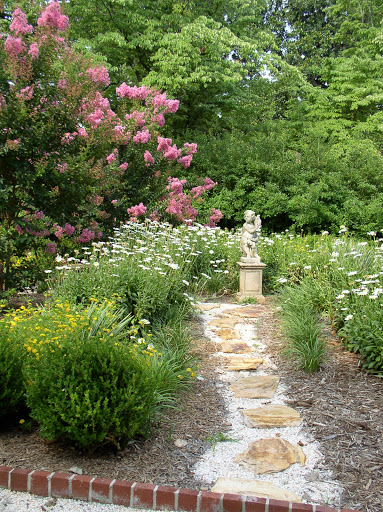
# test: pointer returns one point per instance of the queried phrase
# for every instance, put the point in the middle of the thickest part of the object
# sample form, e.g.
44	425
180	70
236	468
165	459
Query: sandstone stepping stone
234	364
246	312
235	347
226	334
223	322
259	488
258	386
272	416
207	307
271	455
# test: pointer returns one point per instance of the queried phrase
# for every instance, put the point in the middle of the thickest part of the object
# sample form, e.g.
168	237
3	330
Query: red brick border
136	495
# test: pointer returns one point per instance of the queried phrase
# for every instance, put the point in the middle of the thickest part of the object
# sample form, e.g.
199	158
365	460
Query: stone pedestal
250	282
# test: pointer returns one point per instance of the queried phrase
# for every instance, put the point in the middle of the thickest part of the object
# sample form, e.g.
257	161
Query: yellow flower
21	421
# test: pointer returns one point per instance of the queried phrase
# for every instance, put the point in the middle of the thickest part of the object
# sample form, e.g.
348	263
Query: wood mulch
342	407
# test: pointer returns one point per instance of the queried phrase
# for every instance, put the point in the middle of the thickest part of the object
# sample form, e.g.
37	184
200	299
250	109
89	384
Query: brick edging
137	495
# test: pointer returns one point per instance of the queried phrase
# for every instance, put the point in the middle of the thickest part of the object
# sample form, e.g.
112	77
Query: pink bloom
67	139
82	132
208	183
114	202
26	93
148	157
34	51
86	235
125	91
20	24
172	106
95	118
99	75
215	216
172	153
52	17
98	200
159	100
62	168
51	247
138	117
155	216
111	158
175	185
14	45
19	229
124	166
191	148
68	229
137	211
163	144
185	161
38	215
142	137
61	84
159	119
58	231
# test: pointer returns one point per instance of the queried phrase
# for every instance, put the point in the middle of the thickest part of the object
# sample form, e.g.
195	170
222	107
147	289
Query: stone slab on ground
226	334
237	363
258	386
207	307
271	455
244	312
272	416
259	488
235	347
224	322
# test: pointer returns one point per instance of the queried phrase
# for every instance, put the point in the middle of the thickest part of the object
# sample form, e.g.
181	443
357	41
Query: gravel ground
24	502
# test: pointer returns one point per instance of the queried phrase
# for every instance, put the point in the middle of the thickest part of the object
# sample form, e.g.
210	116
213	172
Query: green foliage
301	322
12	389
92	392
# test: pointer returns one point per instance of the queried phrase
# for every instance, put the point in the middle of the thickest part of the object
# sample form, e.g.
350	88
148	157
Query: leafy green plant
219	437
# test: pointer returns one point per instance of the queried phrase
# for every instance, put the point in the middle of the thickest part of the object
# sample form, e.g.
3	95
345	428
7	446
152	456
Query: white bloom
349	317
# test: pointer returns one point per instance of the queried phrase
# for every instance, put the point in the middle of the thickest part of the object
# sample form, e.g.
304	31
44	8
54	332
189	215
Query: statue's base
250	281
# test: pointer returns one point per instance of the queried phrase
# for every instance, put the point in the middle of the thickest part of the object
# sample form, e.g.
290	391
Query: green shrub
301	322
91	392
12	390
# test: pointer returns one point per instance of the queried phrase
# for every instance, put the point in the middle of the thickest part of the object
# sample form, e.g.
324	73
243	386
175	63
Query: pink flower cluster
86	236
51	17
34	51
137	211
215	216
112	157
13	46
26	93
148	158
142	136
51	247
99	75
133	93
207	185
173	153
19	23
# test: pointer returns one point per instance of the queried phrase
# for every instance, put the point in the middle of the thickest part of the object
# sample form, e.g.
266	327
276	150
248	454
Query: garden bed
341	405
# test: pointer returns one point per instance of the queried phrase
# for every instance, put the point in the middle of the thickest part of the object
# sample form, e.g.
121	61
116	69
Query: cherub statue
250	233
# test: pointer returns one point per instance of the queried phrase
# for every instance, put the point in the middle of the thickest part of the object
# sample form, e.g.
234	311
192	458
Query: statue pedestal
250	281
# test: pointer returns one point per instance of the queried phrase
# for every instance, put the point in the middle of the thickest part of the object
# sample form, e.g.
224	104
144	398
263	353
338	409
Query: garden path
268	451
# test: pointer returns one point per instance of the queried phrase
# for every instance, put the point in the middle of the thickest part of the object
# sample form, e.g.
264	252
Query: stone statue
250	233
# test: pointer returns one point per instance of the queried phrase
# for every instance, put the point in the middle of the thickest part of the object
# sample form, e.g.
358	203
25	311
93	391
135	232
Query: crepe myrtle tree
74	151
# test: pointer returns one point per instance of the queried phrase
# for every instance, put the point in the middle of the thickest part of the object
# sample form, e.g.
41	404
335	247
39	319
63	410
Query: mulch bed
342	407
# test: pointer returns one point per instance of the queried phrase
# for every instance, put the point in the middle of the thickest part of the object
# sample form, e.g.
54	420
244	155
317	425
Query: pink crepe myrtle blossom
159	119
185	161
26	94
51	17
86	236
172	106
133	93
20	23
62	83
215	216
19	229
34	51
172	153
114	202
148	157
95	118
155	216
58	231
69	229
98	200
13	46
137	211
191	148
50	248
163	144
124	166
81	132
175	185
142	136
137	117
99	75
180	206
38	215
68	137
62	168
112	157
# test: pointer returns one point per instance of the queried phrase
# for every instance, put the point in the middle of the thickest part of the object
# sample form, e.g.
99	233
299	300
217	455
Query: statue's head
249	216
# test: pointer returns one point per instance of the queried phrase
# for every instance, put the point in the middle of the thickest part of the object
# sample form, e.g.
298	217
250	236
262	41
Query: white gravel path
313	482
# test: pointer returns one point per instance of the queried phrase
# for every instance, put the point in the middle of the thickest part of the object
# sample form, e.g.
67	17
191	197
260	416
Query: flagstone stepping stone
226	334
258	386
246	312
207	307
223	321
234	364
271	455
272	416
259	488
235	347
